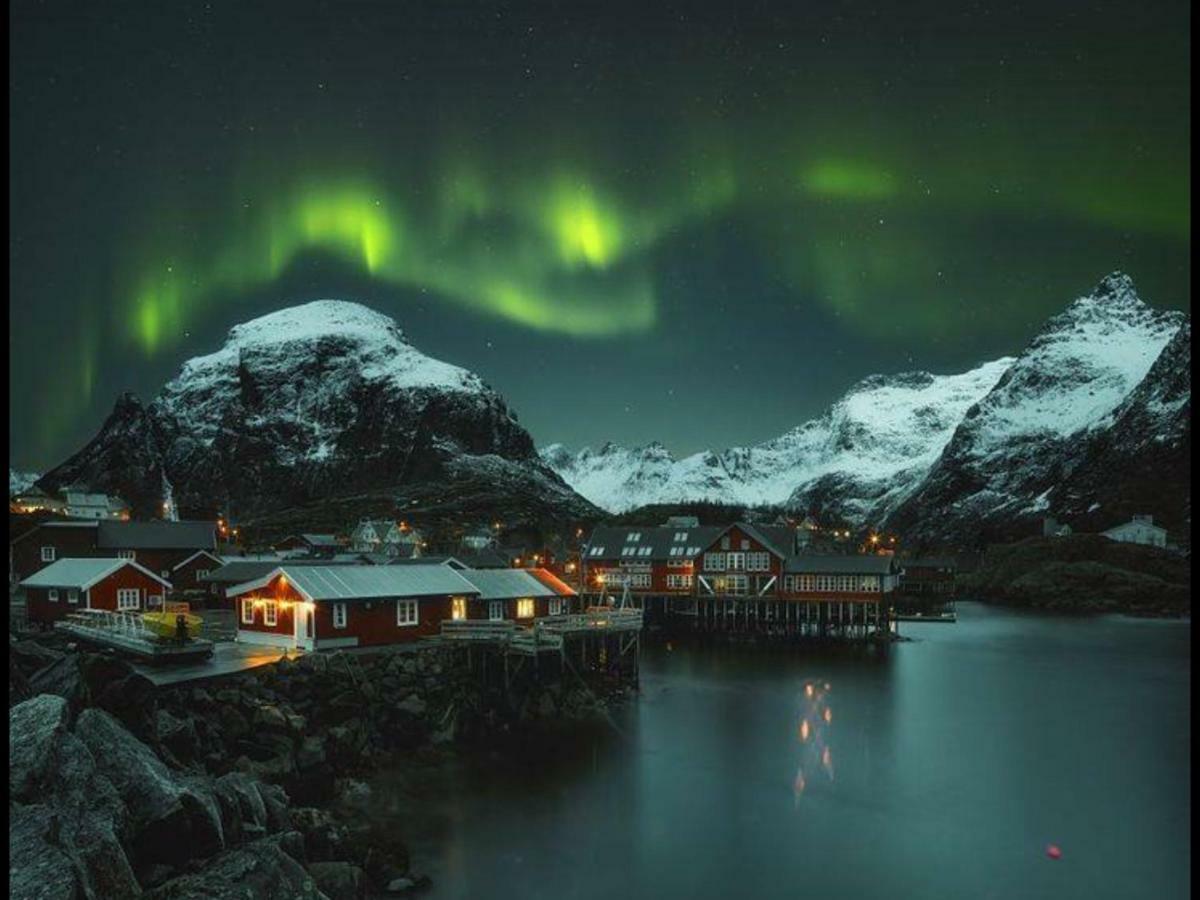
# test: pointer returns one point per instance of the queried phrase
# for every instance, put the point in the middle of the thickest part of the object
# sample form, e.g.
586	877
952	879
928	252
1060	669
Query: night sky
636	221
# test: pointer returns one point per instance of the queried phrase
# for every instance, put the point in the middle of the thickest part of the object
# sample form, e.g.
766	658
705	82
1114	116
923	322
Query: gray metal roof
486	559
857	564
507	584
238	571
81	574
650	542
420	561
157	535
367	582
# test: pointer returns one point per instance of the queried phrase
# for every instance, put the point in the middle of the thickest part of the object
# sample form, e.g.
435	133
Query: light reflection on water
959	758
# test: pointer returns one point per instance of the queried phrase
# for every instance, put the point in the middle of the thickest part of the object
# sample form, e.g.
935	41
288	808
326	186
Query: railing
128	624
477	629
594	618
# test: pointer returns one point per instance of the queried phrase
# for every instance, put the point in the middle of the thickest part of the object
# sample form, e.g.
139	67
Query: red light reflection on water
814	733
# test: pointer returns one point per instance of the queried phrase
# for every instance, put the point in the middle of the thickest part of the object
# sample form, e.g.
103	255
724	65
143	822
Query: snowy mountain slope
875	443
20	481
1019	442
319	401
1140	461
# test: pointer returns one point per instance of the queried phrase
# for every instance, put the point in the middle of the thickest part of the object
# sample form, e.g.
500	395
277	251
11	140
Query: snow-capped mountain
20	481
1068	428
859	460
1033	430
326	404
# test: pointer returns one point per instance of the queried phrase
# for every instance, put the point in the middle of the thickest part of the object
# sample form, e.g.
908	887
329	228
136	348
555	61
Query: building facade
1138	530
69	585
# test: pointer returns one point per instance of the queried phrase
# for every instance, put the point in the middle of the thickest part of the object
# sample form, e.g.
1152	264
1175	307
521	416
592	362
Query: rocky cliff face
1044	422
321	402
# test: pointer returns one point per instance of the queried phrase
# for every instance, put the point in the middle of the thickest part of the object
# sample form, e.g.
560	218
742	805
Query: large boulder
35	728
169	821
339	880
261	870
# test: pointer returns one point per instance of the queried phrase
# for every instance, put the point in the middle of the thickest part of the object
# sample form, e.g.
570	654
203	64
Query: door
303	616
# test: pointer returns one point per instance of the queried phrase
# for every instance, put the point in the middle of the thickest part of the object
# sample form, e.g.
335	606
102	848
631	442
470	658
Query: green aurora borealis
675	205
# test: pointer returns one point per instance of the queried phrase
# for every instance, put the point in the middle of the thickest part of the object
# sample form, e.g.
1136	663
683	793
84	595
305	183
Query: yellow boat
166	624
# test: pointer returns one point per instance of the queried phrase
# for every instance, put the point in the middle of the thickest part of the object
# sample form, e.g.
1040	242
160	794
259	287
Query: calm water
950	766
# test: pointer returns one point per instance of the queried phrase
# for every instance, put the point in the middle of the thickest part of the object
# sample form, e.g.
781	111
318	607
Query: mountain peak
314	320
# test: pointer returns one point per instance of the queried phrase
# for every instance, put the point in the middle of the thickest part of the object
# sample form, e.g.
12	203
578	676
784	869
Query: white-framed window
126	554
628	551
806	582
555	606
679	582
693	551
681	536
758	562
339	615
52	595
48	554
645	551
247	612
406	612
714	562
525	608
270	612
72	596
679	563
633	537
458	608
596	551
735	562
128	598
200	573
496	611
725	542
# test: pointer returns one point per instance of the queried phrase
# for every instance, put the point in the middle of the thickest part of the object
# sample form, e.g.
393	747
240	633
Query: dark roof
649	542
930	562
857	564
157	535
451	561
780	538
485	559
320	540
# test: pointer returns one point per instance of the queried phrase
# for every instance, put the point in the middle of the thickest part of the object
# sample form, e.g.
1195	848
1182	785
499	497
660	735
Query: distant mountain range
1090	422
319	414
313	416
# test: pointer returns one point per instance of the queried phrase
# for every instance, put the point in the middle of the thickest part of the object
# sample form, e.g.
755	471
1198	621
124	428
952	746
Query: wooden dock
127	632
602	638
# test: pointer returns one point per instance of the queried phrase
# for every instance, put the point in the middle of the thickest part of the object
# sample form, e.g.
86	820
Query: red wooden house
519	595
191	573
68	585
318	607
157	546
655	560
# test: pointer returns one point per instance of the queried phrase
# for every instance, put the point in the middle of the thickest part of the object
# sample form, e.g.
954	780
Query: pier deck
126	631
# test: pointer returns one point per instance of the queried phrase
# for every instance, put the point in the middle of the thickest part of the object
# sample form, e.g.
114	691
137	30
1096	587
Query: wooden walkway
549	634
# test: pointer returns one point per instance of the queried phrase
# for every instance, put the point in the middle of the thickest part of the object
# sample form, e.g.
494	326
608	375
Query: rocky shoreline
1083	574
248	786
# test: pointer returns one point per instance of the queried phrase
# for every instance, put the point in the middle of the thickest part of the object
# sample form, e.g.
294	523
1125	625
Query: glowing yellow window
525	609
458	608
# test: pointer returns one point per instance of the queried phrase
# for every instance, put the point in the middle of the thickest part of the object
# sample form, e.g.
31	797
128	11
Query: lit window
247	612
270	612
53	595
406	612
458	608
339	615
48	554
525	608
